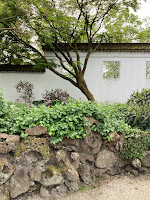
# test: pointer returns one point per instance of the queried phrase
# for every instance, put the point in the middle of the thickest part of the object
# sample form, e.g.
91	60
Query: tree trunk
81	84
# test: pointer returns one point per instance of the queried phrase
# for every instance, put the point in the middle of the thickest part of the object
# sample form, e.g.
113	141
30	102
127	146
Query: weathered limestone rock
6	169
146	159
36	131
59	190
8	142
99	172
72	177
117	142
136	163
40	145
93	140
72	185
145	170
36	174
44	192
105	159
52	176
62	156
76	159
112	171
20	183
32	156
87	173
85	157
120	163
4	192
68	144
131	170
92	143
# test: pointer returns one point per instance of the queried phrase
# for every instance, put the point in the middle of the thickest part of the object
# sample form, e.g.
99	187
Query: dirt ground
125	187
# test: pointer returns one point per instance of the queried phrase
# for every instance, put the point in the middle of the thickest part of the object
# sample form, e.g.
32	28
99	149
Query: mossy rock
30	143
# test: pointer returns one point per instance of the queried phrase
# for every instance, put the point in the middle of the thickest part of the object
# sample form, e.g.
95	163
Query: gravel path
118	188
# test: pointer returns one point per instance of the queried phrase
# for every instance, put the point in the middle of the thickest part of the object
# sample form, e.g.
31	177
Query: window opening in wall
111	69
148	69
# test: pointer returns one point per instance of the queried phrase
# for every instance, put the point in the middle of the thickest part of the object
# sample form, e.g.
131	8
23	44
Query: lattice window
148	69
111	69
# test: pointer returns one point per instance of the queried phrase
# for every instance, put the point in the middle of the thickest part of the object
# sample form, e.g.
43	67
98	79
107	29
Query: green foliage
122	27
66	120
135	146
138	109
140	98
58	26
61	120
114	121
38	102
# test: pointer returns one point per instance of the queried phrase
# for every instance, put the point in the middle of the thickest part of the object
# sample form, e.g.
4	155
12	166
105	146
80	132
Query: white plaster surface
132	77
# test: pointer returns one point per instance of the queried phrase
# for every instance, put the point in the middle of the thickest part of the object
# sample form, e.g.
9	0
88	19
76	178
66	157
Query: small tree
26	90
56	23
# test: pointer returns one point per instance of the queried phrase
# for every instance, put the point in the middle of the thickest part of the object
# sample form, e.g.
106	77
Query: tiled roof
111	47
20	68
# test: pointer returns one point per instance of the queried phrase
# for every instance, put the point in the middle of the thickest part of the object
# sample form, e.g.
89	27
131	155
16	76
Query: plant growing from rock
26	90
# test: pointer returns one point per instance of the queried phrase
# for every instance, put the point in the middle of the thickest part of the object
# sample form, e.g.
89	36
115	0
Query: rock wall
31	168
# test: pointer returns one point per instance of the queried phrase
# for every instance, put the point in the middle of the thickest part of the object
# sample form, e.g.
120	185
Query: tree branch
62	64
6	29
45	60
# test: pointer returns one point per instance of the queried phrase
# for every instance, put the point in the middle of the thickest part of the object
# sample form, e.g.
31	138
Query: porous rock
131	170
8	142
70	170
52	176
19	183
117	142
72	185
40	145
120	163
105	159
6	169
36	131
76	159
4	193
136	163
92	143
93	140
112	171
44	192
36	173
87	173
59	190
68	144
146	159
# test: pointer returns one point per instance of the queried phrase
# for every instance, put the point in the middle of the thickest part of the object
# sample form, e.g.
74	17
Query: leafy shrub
54	96
135	146
140	98
38	102
114	121
138	110
26	89
61	120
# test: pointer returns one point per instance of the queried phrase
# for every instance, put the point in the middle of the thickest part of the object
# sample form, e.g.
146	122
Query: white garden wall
132	77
